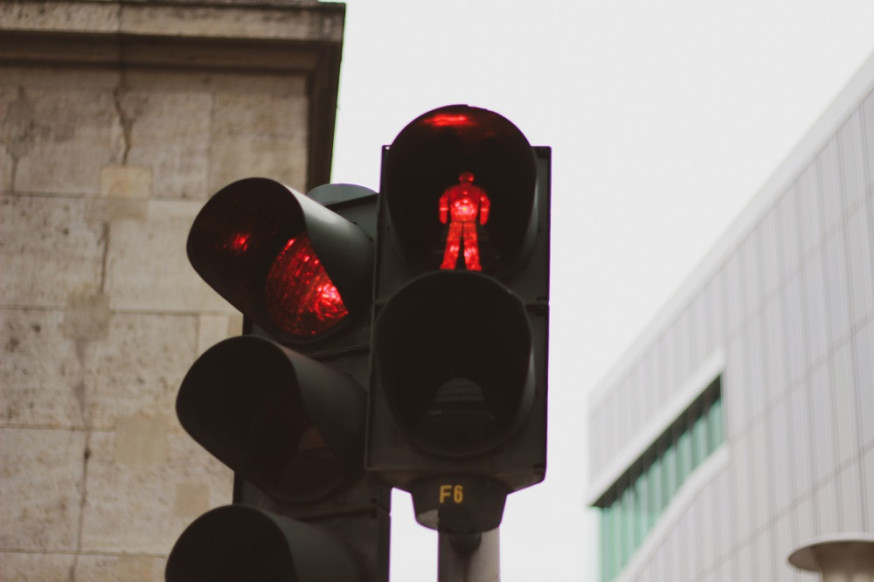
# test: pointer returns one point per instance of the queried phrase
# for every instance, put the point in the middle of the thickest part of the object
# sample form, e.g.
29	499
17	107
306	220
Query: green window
700	444
640	496
654	493
684	453
714	425
627	531
669	473
632	506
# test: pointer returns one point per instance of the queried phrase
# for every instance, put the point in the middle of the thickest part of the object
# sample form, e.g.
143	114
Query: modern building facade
741	424
118	119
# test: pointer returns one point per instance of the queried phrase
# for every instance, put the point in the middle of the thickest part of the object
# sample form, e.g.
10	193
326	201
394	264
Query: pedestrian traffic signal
296	269
284	404
458	394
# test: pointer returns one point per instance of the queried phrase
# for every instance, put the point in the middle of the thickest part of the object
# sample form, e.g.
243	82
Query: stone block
9	134
41	480
154	487
214	328
140	441
139	367
259	128
57	380
192	499
147	265
106	210
86	317
124	193
167	131
42	380
49	248
124	568
64	137
269	106
283	85
238	156
27	567
126	182
7	168
57	78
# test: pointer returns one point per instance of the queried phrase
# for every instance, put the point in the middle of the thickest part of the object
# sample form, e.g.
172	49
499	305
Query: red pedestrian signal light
448	152
462	206
458	392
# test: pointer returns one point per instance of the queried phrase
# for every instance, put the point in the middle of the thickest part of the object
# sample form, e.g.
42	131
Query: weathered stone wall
105	158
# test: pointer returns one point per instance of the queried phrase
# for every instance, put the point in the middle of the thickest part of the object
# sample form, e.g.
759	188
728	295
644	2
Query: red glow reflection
300	297
240	242
448	120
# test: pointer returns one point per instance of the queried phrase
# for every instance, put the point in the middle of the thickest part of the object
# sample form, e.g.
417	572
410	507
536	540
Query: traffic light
457	413
284	405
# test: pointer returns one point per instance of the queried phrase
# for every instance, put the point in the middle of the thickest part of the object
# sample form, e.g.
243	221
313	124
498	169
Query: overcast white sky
665	118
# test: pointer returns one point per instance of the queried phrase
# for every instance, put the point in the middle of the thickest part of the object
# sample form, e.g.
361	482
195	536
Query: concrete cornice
269	35
277	22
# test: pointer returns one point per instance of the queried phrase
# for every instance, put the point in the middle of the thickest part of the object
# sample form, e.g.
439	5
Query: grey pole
469	557
847	557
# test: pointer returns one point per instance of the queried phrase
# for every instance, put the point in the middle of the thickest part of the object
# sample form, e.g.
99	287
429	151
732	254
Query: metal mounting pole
469	557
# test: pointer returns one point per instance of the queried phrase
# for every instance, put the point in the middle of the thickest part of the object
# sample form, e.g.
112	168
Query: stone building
118	119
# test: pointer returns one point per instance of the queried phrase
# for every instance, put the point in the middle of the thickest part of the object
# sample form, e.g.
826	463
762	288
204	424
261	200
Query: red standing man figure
461	205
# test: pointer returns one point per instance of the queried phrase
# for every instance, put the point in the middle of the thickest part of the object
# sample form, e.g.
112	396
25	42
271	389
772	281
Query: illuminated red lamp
299	295
427	169
448	120
292	266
